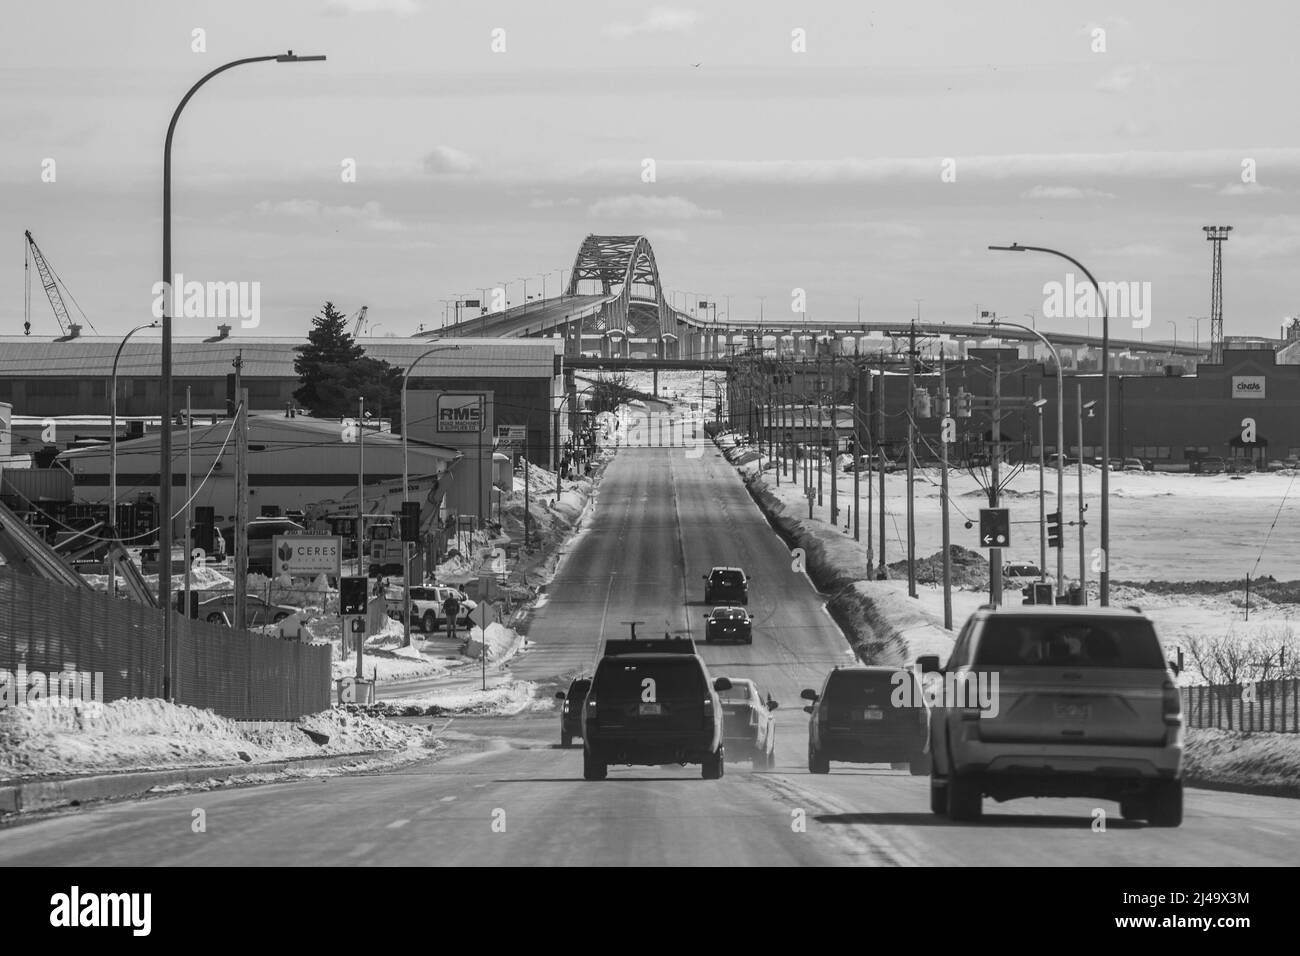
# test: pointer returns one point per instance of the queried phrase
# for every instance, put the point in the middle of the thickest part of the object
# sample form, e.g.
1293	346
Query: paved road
512	796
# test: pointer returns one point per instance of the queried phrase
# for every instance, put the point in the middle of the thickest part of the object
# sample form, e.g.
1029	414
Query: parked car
748	727
1213	465
855	719
221	610
653	702
1239	466
729	623
1134	464
426	606
1072	702
1022	572
726	585
261	539
571	709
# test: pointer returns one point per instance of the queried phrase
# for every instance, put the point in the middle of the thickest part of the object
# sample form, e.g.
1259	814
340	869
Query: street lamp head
292	57
1040	403
1014	247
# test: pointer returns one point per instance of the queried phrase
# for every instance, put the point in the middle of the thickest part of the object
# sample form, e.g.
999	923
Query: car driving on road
729	623
748	727
652	702
1082	704
857	718
571	709
726	586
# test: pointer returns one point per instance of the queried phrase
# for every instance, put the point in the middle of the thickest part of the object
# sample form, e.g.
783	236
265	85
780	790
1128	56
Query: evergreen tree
335	372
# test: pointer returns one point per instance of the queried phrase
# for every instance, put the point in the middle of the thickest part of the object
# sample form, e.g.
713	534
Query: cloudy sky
1111	133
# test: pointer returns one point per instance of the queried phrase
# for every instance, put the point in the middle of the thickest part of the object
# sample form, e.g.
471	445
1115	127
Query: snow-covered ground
53	737
503	698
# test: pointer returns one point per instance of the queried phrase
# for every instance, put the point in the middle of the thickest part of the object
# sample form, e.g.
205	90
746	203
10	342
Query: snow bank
500	641
152	734
503	700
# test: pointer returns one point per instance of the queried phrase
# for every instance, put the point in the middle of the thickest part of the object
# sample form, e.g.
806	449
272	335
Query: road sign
483	615
358	625
307	554
354	595
995	527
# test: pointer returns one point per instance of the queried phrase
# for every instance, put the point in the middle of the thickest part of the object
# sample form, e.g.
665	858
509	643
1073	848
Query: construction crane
51	283
359	321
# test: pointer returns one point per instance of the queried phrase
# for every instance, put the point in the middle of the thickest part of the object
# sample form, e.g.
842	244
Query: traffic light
1054	530
995	527
410	521
353	595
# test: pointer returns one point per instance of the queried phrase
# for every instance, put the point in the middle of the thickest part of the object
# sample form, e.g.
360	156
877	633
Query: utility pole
995	554
1042	501
189	496
241	499
943	491
527	500
835	448
821	438
1083	561
880	459
911	468
857	457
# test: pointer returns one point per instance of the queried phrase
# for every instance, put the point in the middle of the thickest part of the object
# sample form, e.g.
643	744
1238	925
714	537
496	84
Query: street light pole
165	442
1105	407
406	490
112	454
1060	437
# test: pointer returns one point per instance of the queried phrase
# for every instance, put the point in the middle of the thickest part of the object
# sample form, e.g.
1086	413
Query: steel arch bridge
626	270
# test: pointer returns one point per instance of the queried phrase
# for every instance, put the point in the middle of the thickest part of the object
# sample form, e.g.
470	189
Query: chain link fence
49	629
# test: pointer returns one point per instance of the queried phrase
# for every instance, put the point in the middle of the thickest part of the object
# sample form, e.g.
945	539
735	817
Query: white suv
426	606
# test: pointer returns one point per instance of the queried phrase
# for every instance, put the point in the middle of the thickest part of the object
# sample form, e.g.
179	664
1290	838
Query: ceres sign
1248	386
308	554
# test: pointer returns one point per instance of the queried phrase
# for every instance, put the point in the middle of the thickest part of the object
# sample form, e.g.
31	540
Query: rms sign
1248	386
460	413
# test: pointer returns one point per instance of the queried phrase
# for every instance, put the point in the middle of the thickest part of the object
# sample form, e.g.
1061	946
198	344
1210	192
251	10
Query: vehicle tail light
1172	705
591	710
708	711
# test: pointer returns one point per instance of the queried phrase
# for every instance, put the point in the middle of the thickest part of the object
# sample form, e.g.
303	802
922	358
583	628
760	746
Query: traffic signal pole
911	467
995	553
943	492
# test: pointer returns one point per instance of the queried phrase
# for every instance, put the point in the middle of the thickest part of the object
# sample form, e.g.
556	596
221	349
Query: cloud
1065	192
649	207
1121	78
344	7
552	203
1133	127
886	230
1138	250
1246	189
446	160
656	20
371	215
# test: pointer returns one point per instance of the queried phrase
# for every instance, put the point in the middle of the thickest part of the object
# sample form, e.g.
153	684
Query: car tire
593	769
713	765
429	623
965	802
816	762
1133	809
938	797
215	618
566	741
1165	804
919	765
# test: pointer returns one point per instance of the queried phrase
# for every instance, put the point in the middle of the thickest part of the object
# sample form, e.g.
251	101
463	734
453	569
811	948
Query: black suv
571	710
652	702
726	586
867	715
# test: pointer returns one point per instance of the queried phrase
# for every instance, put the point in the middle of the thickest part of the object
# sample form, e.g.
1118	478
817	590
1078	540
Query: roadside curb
1291	791
44	794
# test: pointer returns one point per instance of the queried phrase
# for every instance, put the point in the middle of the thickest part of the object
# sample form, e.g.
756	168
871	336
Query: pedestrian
451	610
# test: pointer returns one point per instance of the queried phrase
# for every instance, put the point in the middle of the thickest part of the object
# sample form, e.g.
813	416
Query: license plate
871	713
651	710
1073	711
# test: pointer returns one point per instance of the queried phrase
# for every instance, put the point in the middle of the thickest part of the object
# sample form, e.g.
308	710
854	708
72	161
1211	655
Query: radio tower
1217	235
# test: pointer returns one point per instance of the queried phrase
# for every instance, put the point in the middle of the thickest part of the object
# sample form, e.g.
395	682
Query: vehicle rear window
621	678
728	579
738	691
578	689
1053	642
729	613
859	685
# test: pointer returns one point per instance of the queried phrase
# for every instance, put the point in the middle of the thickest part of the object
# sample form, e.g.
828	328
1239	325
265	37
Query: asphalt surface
510	795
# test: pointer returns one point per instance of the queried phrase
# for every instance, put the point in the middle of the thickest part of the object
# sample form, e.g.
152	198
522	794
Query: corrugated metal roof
267	357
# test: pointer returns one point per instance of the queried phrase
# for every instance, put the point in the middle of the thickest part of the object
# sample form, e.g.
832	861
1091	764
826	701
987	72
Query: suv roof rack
616	647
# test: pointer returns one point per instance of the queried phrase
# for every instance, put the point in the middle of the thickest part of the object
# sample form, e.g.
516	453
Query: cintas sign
1248	386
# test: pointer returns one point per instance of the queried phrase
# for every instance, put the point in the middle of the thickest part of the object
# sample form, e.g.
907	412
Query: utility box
1043	593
